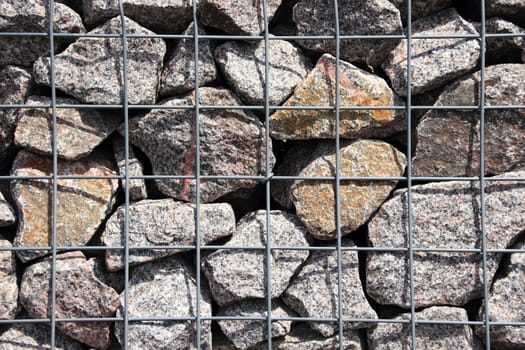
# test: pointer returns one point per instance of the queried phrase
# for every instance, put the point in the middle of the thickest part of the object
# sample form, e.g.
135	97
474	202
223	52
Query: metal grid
267	179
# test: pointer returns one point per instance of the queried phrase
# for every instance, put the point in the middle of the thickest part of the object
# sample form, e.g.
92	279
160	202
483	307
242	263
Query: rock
240	17
381	17
167	16
421	8
113	279
137	187
434	62
314	291
23	336
359	199
164	288
247	333
448	140
101	83
9	307
506	49
238	274
428	336
243	66
446	215
506	304
78	131
7	214
81	207
178	74
163	222
79	294
32	16
232	142
512	10
357	88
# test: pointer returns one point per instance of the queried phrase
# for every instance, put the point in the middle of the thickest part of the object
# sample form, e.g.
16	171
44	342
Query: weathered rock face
102	83
78	294
440	211
8	284
82	204
359	199
356	17
239	274
232	142
448	140
23	336
7	214
163	222
137	187
164	288
434	62
357	88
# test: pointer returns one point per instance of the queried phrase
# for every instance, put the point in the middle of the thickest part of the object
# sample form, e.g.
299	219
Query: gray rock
78	131
446	215
178	74
79	294
101	83
314	291
428	336
164	288
7	214
434	62
506	49
32	16
239	274
232	142
513	10
137	187
421	8
163	222
357	17
113	279
23	336
245	334
448	140
243	66
9	306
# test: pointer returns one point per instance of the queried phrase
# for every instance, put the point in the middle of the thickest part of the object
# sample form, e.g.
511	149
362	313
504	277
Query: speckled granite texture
9	305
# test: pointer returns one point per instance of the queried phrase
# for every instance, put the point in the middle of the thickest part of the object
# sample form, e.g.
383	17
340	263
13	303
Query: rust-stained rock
357	88
81	207
8	282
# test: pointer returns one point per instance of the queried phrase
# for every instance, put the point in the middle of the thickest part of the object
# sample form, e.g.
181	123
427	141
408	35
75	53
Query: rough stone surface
428	336
434	62
356	17
178	74
513	10
81	207
7	214
507	304
243	66
247	333
8	283
78	131
78	294
32	16
240	17
24	336
445	215
357	88
239	274
164	222
507	49
137	187
359	199
164	288
448	140
91	69
314	291
232	142
421	8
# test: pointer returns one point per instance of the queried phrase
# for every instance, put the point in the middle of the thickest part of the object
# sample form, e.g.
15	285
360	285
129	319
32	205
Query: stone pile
251	211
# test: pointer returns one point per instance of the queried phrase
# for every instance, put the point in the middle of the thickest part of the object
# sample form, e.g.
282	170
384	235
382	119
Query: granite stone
512	10
163	222
434	62
91	69
9	306
243	66
137	187
445	215
504	49
78	294
357	88
314	200
82	204
448	140
7	214
24	336
164	288
114	279
421	8
238	274
232	142
78	131
356	17
178	74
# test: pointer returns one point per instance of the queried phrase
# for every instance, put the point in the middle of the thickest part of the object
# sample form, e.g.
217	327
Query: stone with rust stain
357	88
81	207
9	306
